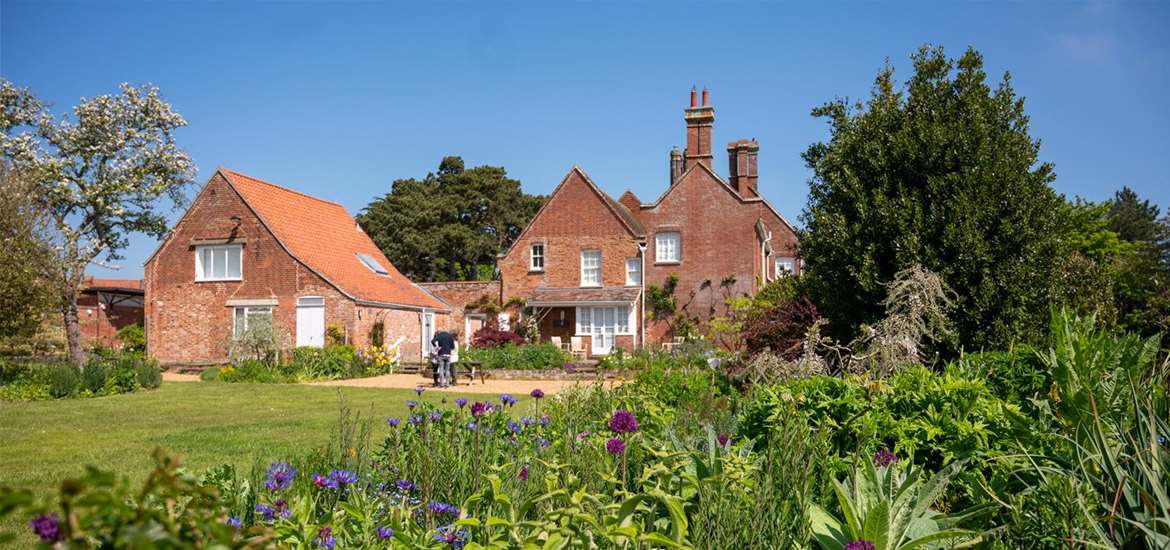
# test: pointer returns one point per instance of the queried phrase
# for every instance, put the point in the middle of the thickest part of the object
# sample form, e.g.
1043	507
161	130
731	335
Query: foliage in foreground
106	373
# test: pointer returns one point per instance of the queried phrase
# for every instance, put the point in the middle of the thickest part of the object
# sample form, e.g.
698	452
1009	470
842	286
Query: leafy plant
490	337
542	356
133	338
62	379
891	508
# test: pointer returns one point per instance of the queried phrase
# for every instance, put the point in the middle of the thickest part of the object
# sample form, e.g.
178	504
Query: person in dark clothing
443	344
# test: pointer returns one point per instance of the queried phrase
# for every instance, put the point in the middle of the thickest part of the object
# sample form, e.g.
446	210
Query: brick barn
247	249
585	259
106	306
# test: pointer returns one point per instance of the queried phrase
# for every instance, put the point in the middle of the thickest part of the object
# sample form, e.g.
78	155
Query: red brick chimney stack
694	97
700	119
741	167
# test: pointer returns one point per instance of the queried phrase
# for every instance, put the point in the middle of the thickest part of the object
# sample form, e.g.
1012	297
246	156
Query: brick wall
458	294
101	324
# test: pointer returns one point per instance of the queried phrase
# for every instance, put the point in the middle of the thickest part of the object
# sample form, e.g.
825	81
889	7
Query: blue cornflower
544	421
472	425
442	508
508	400
325	538
324	482
280	476
393	422
461	402
543	442
234	522
385	533
514	427
419	389
265	511
343	477
436	416
410	403
453	537
404	485
415	419
527	420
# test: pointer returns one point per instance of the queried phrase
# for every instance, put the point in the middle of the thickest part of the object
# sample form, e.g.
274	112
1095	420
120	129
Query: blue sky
339	99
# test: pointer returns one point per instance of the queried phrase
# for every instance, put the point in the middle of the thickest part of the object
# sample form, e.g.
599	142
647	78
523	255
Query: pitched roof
131	286
757	198
326	239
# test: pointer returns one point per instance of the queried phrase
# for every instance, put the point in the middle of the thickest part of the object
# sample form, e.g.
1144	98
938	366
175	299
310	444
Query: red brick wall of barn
101	324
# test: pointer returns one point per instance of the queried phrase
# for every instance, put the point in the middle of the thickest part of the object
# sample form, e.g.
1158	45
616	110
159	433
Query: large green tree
942	173
451	224
27	268
98	176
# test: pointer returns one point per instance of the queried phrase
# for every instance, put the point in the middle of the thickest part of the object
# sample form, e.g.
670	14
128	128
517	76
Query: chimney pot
706	97
694	97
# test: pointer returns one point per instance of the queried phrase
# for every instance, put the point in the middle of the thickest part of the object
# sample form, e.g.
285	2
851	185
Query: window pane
623	319
239	325
219	263
666	247
233	263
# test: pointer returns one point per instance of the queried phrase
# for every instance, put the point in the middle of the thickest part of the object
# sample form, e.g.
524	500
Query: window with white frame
666	247
251	317
536	257
219	263
785	266
591	268
603	324
633	271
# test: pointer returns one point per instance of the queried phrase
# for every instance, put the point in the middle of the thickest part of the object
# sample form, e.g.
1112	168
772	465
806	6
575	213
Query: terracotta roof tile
324	237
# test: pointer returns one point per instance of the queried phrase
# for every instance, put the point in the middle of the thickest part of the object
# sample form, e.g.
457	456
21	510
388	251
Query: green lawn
43	442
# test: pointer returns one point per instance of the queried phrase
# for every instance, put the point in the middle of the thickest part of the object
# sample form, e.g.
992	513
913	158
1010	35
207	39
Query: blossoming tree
100	176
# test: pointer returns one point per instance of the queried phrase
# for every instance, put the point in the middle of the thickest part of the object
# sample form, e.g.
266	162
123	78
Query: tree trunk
72	328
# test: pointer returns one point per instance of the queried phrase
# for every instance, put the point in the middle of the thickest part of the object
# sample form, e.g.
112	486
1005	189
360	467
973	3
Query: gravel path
410	381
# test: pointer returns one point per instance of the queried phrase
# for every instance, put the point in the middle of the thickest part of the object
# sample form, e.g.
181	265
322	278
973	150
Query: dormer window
373	265
536	257
219	263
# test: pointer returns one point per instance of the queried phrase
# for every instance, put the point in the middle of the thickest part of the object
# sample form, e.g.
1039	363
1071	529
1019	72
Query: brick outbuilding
247	249
585	260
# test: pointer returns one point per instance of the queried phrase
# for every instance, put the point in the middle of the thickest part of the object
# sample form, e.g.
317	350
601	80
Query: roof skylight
373	264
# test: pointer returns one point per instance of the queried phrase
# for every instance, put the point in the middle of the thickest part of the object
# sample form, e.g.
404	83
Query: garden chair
556	341
577	347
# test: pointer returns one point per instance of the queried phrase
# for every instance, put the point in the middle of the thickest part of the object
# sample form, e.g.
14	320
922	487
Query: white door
428	332
604	329
311	321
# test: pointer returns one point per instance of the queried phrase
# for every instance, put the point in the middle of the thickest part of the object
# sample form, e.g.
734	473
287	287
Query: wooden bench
465	370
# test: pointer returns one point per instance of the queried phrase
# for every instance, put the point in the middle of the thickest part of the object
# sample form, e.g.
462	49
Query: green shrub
210	374
149	374
62	379
1014	376
251	370
133	338
330	362
24	390
93	377
511	356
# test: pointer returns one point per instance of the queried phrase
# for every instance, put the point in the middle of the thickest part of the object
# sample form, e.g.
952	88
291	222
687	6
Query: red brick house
585	259
248	249
106	306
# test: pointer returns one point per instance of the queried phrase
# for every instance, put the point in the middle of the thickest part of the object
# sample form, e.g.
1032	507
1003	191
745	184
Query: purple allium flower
48	527
234	522
419	389
615	446
860	545
436	416
325	538
478	409
507	399
385	533
461	402
514	427
623	422
280	476
393	422
537	393
410	403
884	458
723	439
404	486
324	482
415	419
343	477
523	473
